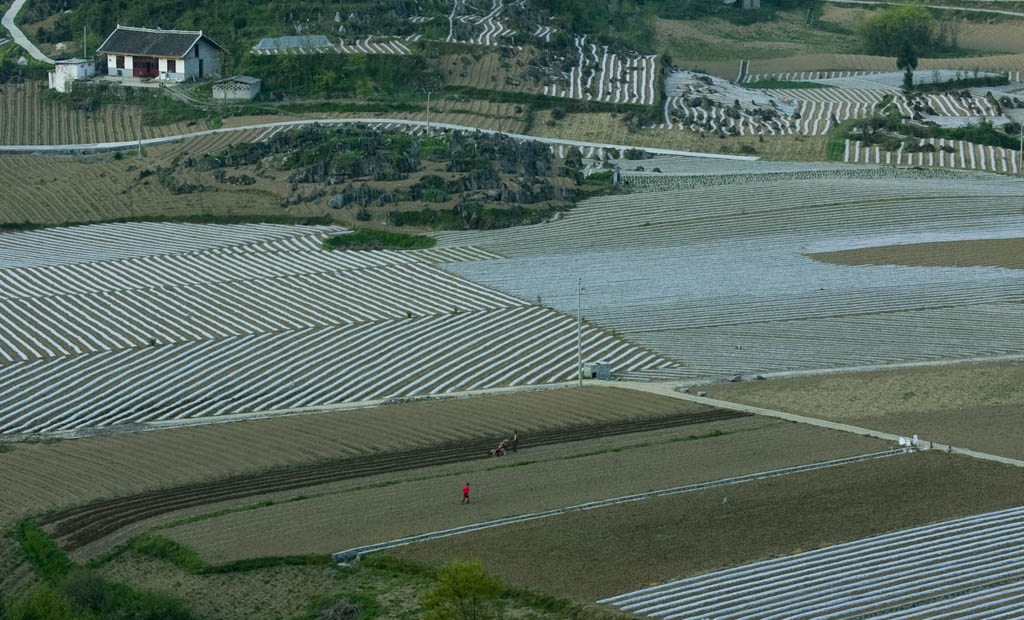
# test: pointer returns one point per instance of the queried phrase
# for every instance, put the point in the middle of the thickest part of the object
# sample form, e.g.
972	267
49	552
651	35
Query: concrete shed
65	72
236	88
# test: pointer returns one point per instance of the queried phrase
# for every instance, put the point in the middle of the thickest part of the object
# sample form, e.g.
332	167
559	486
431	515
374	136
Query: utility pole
140	133
428	112
85	54
579	331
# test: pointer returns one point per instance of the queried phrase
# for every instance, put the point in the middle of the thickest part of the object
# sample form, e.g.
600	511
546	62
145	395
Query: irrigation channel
78	526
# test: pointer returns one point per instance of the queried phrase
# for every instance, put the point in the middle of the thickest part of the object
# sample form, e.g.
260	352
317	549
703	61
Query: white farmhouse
65	72
172	55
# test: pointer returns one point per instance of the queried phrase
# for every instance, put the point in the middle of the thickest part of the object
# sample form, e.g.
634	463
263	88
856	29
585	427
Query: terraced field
966	568
603	76
716	275
239	329
31	116
941	153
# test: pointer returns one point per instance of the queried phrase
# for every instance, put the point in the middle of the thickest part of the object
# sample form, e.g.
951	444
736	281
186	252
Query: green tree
907	60
890	31
462	591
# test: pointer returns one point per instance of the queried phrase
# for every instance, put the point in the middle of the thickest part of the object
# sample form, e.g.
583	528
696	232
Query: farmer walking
465	494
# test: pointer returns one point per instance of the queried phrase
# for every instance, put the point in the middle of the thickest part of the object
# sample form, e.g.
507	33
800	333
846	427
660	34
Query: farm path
670	390
111	146
19	36
940	7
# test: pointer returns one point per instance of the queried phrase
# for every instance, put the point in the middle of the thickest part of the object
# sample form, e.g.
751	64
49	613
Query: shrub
371	239
44	603
462	591
45	556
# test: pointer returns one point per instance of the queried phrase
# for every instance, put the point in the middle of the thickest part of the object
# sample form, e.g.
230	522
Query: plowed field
1007	253
343	520
43	476
89	523
593	554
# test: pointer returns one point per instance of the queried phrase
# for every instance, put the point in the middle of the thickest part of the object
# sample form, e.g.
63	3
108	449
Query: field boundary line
116	146
356	553
671	390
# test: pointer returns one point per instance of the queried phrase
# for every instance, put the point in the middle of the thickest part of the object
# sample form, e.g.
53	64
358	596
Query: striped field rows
97	242
944	153
945	104
602	76
965	568
52	326
812	117
717	275
369	45
209	320
304	367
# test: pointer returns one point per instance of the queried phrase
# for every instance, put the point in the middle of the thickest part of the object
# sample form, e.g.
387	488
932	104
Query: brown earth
594	554
45	476
537	481
76	527
1007	253
977	406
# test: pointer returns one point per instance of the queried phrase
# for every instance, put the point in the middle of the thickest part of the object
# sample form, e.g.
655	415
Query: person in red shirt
465	494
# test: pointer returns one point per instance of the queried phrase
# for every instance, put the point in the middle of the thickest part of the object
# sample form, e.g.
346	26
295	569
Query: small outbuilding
236	88
172	55
65	72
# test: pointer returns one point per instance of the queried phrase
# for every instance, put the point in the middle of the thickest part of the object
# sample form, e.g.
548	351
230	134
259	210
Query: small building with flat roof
236	88
65	72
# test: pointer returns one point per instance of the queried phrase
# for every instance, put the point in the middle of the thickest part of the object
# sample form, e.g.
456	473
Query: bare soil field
693	41
593	554
1008	253
339	521
596	127
977	406
57	189
49	475
998	36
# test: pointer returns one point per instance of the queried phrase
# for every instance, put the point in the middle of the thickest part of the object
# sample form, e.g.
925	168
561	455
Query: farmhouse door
200	67
144	67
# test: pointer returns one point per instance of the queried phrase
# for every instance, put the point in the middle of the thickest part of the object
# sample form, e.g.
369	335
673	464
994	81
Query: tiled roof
149	42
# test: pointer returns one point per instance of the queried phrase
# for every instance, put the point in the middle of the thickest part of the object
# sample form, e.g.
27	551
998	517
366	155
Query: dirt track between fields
364	516
594	554
85	524
976	406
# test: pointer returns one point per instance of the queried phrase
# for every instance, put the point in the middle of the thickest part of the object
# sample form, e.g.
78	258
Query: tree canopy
896	30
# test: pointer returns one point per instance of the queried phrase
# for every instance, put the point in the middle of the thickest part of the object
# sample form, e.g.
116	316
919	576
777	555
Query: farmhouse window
172	66
120	62
197	51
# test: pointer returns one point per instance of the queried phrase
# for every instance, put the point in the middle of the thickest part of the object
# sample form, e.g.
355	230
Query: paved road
19	36
940	7
114	146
